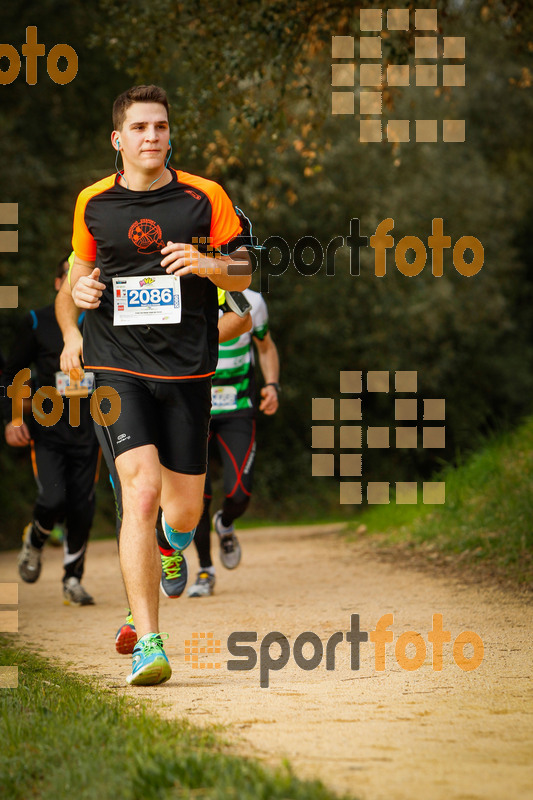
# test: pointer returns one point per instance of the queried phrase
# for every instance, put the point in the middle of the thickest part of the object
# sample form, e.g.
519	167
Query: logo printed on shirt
147	236
193	194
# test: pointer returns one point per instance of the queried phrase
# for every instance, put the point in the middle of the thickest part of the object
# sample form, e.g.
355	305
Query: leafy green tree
250	86
54	140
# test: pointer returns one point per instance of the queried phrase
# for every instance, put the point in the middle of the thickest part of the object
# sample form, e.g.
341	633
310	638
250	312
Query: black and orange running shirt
123	232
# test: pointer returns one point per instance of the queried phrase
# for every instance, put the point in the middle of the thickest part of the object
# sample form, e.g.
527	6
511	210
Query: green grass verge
488	514
63	736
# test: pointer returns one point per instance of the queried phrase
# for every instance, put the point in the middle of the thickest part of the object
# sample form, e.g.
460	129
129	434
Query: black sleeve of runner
22	354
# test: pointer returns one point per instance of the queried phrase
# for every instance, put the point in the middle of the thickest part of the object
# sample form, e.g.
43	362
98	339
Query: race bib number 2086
150	300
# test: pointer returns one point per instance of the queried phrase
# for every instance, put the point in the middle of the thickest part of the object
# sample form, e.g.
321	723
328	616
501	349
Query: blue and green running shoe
150	664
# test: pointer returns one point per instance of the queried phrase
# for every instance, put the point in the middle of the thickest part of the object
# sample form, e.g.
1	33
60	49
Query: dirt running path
392	735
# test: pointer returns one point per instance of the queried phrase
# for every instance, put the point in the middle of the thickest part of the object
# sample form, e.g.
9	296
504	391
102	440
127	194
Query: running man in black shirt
173	568
151	337
64	456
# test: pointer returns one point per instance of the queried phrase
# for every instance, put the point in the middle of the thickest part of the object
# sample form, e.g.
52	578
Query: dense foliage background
250	86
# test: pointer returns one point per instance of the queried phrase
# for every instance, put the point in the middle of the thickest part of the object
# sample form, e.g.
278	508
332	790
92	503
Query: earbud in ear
117	143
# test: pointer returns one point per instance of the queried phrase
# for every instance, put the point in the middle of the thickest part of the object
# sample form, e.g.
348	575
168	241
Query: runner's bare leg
182	499
145	484
140	479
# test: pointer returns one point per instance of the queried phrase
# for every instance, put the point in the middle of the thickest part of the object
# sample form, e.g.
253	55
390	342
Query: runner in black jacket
64	456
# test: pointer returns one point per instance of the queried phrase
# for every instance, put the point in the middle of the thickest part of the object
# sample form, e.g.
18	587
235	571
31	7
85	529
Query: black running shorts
172	416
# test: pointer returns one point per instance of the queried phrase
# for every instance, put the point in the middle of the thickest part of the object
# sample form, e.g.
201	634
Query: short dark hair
60	271
137	94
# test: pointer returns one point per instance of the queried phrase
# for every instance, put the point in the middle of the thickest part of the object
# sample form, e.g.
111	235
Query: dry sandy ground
391	735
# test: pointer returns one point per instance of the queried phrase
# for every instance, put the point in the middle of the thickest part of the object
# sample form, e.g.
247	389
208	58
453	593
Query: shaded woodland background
250	88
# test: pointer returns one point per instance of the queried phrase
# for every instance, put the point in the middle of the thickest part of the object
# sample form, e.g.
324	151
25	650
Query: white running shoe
29	559
75	594
203	586
230	549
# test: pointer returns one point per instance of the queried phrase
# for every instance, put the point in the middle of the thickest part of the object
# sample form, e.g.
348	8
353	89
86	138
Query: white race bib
150	300
224	397
79	388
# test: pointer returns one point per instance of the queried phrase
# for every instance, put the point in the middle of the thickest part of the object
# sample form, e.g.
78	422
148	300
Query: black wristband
276	386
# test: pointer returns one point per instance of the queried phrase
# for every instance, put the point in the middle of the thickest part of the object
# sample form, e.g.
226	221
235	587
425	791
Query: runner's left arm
269	363
231	272
227	272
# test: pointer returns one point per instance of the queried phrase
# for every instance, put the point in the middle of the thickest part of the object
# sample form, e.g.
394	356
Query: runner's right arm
23	353
67	317
85	286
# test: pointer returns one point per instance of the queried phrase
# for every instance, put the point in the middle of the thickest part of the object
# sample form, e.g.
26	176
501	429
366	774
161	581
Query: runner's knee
184	518
144	496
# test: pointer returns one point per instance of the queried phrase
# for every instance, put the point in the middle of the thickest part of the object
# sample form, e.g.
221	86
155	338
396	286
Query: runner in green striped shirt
233	428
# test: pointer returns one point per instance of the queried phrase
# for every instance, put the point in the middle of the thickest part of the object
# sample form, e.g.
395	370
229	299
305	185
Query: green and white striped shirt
233	383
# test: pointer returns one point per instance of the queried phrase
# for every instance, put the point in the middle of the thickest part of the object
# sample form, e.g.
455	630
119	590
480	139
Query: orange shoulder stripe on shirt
83	243
225	223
